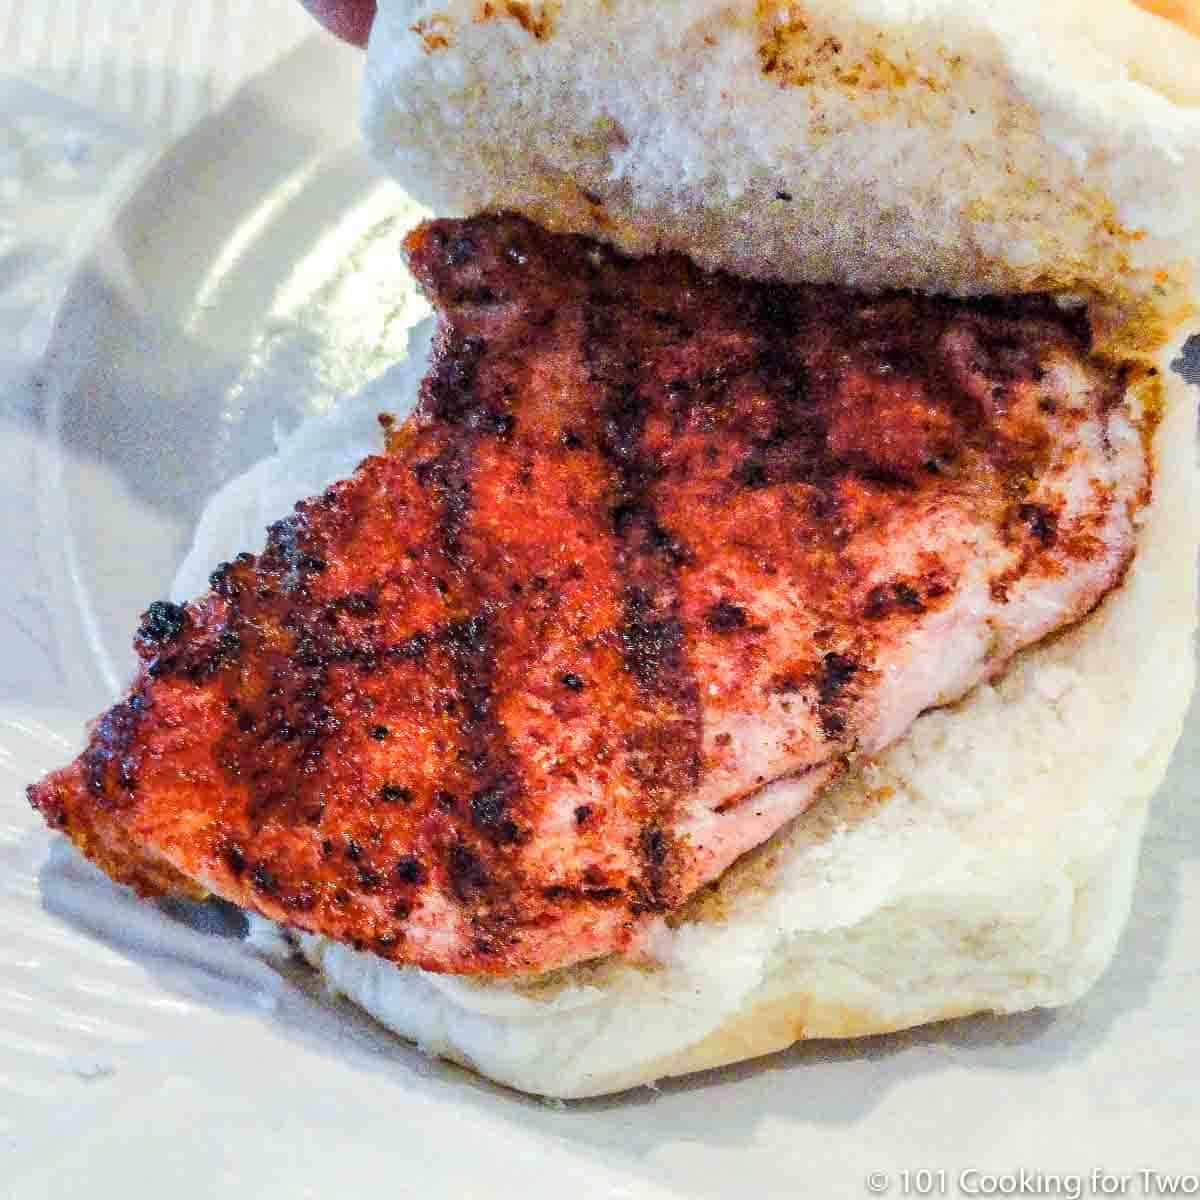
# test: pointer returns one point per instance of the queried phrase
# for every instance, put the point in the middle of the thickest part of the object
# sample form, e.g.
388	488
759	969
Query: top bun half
954	146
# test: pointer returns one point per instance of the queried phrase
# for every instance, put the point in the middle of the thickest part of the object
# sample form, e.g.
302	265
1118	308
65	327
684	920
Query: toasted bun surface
986	862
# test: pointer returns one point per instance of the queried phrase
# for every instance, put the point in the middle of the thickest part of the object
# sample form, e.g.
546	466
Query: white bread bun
953	146
985	862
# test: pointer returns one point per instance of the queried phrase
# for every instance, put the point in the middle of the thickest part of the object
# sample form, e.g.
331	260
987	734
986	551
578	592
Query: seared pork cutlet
658	552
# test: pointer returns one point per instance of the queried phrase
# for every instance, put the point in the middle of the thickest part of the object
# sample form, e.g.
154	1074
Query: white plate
252	278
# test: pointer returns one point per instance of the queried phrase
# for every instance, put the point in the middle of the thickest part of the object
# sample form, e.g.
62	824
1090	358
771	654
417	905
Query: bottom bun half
985	863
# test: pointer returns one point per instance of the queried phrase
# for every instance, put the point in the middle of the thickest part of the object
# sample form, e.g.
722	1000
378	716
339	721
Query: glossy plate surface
246	282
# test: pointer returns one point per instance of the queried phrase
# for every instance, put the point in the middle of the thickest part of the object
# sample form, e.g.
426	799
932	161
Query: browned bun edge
1184	13
1158	40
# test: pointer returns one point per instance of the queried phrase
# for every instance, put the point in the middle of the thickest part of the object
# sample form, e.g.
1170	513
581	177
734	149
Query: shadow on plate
153	333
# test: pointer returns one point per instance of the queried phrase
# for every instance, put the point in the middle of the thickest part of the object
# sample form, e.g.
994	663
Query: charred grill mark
489	806
652	645
199	660
666	753
454	397
836	671
651	891
725	617
276	748
485	745
795	449
287	554
448	477
413	648
276	744
470	648
887	598
262	879
466	873
161	623
634	520
450	392
461	249
484	297
1042	522
561	891
676	327
109	764
269	657
775	312
357	604
235	859
833	679
223	580
409	870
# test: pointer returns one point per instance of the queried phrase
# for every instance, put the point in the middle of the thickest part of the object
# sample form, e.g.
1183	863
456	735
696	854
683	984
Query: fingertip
348	19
